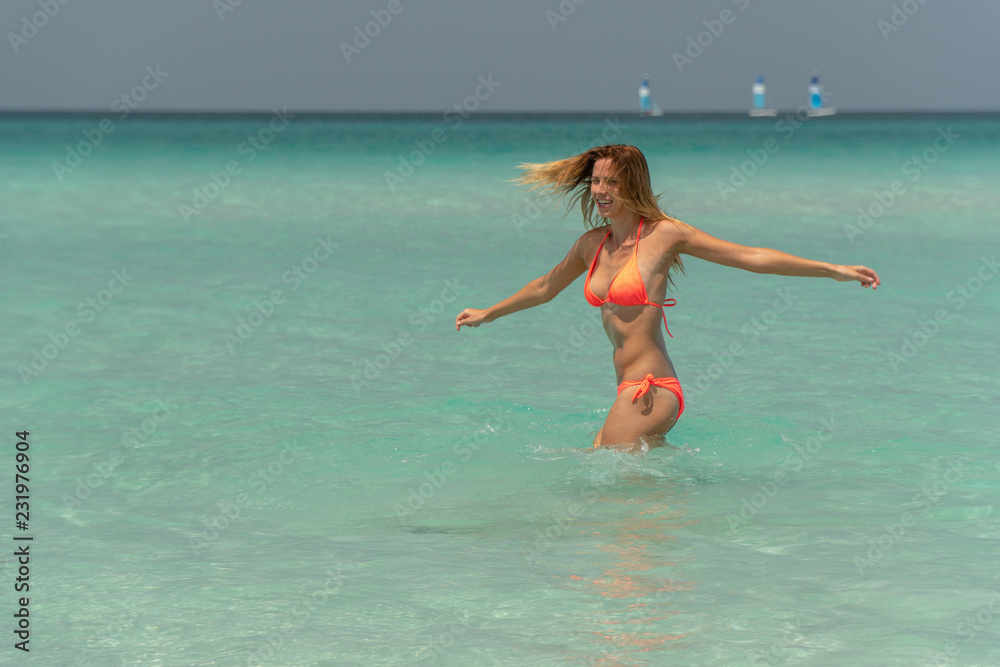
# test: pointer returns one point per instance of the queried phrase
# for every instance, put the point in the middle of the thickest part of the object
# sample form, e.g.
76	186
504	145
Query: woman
630	259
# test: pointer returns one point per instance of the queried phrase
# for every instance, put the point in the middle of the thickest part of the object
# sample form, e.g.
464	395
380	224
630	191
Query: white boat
759	100
647	105
816	107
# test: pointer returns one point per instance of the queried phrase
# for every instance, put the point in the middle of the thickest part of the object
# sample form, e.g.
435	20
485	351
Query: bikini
627	289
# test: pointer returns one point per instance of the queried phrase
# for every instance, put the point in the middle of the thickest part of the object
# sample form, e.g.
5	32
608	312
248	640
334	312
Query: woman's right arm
538	291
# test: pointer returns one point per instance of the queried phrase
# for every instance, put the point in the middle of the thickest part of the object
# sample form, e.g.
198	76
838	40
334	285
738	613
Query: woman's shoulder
589	241
667	228
594	235
668	235
664	221
596	232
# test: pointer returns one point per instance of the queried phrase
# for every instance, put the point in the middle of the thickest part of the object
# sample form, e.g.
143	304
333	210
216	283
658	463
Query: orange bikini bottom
649	381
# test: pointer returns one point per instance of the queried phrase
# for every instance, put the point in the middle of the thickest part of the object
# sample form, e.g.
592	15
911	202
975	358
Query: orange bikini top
627	288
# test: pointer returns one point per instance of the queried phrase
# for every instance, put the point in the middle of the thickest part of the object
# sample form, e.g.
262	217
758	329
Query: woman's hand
867	277
471	317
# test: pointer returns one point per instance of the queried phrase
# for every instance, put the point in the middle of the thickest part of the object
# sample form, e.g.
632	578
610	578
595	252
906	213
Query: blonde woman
628	256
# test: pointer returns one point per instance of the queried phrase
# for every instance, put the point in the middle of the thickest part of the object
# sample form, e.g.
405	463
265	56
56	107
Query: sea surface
255	437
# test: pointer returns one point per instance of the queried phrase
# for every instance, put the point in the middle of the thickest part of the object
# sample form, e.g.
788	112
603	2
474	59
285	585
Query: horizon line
383	112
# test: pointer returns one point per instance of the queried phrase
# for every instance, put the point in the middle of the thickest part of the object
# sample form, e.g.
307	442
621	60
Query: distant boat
647	105
816	107
759	104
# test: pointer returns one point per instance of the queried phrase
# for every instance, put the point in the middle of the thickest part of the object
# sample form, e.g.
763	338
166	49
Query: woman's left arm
694	242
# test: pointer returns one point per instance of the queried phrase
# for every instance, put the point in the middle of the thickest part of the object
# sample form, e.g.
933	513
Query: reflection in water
635	594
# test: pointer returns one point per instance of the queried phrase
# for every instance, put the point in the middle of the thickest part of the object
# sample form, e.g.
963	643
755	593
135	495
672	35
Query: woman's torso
635	331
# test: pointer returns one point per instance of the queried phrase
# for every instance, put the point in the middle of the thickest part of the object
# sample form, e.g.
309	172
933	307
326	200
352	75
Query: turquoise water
256	438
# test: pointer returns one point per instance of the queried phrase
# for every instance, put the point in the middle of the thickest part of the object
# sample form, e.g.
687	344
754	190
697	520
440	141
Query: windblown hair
571	177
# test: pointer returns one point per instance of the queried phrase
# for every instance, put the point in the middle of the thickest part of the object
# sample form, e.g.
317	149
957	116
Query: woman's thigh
652	414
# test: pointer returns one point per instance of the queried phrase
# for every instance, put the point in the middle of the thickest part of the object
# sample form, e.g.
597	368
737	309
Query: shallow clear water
331	475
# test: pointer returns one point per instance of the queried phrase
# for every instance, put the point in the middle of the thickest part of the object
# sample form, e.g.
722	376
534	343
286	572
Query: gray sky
942	56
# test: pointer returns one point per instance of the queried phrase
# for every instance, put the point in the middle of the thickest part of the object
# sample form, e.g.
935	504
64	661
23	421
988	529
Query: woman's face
604	189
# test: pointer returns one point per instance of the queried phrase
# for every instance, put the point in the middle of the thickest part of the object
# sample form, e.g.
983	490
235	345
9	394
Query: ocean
252	436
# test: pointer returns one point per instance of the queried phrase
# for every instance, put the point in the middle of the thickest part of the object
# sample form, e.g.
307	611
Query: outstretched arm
698	244
538	291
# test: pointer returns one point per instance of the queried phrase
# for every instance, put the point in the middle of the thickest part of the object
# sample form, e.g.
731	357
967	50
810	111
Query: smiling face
604	189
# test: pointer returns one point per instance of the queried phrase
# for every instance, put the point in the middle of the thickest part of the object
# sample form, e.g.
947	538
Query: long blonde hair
571	177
